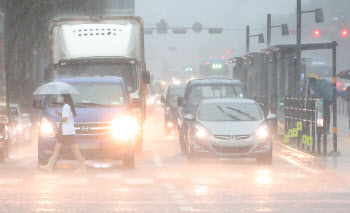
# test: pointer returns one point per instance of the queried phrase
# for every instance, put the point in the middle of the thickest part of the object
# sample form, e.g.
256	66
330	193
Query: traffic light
344	33
317	33
162	27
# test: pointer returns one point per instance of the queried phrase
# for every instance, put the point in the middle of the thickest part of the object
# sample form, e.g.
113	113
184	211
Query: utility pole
247	39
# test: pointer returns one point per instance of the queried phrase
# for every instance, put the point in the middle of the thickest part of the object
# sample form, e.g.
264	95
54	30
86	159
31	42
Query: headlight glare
262	132
200	133
46	128
124	128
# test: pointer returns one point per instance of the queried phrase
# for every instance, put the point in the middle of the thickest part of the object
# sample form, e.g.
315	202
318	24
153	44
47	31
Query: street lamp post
285	30
318	19
248	36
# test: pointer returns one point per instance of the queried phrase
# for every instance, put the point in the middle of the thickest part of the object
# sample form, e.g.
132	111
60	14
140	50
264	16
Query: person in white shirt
66	136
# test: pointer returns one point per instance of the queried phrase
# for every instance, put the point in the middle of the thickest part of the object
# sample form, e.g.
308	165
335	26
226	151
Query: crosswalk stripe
232	176
209	181
47	176
10	181
73	181
109	175
170	176
141	181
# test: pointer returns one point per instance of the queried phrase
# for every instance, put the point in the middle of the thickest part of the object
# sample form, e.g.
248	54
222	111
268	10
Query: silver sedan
230	128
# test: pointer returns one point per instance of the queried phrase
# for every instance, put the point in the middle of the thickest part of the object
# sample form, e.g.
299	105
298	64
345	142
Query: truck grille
92	128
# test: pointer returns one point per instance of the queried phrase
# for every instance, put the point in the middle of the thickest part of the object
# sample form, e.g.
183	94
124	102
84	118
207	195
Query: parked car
20	125
171	110
200	89
229	128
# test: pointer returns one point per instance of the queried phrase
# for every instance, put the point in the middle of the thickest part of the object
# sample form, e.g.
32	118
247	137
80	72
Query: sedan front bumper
249	147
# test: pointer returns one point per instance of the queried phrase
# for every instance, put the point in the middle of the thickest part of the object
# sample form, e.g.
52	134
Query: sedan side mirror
271	117
189	117
162	99
180	101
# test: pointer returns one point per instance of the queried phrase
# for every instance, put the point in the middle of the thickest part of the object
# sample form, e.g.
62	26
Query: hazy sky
211	13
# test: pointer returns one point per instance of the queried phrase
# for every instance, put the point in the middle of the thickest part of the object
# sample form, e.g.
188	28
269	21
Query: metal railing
306	124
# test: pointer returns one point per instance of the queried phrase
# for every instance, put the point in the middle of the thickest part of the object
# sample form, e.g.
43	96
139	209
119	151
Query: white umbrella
55	88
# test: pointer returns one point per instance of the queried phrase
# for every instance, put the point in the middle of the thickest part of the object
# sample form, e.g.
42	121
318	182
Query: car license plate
89	146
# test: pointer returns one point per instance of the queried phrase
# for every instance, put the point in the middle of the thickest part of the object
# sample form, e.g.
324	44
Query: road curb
298	155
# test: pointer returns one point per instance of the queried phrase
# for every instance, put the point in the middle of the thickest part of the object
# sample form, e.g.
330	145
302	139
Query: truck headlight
124	128
46	128
262	132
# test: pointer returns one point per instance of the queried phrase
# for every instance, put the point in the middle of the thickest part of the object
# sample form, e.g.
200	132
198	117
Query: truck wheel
42	161
191	155
2	154
129	161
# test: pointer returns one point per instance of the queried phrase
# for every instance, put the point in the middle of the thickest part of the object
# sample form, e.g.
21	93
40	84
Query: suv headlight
262	132
124	128
46	128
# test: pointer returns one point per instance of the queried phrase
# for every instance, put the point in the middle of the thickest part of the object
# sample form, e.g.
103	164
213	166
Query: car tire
191	155
129	161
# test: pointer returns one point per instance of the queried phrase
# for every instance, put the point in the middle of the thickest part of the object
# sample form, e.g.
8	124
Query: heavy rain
174	106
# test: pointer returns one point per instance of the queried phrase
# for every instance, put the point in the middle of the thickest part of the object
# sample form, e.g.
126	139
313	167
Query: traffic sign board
197	27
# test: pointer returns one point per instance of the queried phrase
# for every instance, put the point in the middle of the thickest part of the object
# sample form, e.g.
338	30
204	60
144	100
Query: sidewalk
341	164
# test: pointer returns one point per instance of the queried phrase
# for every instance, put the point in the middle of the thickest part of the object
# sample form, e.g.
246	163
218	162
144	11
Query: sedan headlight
124	128
20	127
46	128
201	133
262	132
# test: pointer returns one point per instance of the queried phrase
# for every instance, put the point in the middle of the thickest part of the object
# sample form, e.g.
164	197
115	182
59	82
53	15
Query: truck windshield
198	93
93	95
127	71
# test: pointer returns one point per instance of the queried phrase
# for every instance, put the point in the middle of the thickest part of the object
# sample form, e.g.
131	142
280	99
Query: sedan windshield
93	95
229	112
198	93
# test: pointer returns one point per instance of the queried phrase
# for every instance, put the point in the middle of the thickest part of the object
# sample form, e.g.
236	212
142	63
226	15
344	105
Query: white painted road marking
141	181
157	161
73	181
299	165
205	181
10	181
109	175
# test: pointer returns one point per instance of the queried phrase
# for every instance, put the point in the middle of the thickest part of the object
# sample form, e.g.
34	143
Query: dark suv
200	89
171	110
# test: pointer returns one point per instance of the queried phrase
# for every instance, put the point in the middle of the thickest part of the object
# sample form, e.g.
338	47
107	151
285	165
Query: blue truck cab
105	125
200	89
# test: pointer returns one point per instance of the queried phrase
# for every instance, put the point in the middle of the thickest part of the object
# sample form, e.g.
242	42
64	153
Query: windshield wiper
92	104
243	113
228	114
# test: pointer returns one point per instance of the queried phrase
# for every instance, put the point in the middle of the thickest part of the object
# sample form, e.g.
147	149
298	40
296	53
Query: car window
198	93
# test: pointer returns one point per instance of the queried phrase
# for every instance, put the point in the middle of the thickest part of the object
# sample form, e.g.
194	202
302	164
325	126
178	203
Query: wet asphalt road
164	181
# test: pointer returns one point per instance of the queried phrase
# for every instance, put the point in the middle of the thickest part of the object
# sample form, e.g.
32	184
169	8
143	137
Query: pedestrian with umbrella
66	131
